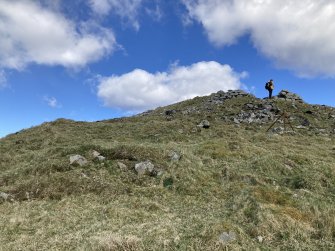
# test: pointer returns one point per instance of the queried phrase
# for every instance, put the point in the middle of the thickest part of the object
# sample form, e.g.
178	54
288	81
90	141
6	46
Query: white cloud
297	35
127	10
101	7
30	33
156	13
139	90
3	79
52	102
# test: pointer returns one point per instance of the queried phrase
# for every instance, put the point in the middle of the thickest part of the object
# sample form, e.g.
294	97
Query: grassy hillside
235	186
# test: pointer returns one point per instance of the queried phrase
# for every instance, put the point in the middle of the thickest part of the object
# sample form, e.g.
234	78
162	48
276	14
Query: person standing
270	86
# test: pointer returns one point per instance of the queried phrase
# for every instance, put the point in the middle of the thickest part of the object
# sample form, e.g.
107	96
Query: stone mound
221	96
289	96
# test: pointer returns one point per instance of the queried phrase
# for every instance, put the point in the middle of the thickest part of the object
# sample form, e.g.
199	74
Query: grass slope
274	192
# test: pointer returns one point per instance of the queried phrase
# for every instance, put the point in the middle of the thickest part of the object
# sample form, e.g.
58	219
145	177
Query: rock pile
255	113
221	96
288	96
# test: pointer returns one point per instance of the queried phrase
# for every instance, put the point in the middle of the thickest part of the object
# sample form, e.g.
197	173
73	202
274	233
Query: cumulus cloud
31	33
296	35
127	10
139	90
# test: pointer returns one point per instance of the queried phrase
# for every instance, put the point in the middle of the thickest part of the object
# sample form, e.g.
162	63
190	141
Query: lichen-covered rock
174	156
78	160
145	168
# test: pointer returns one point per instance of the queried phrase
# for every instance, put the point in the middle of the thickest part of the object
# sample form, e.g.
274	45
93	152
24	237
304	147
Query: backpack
267	86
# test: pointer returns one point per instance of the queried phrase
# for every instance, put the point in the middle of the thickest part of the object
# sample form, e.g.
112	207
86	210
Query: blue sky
90	60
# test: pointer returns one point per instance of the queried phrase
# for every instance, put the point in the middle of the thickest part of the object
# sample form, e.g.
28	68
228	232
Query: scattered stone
204	124
170	112
249	106
258	117
225	237
76	160
256	113
122	166
288	167
305	122
190	110
174	156
95	154
260	239
145	168
4	196
159	173
278	130
100	158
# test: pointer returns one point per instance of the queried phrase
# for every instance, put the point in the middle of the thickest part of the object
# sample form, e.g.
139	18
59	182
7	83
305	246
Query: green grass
276	188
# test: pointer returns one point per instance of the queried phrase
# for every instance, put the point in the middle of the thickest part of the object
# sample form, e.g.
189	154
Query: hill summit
227	171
